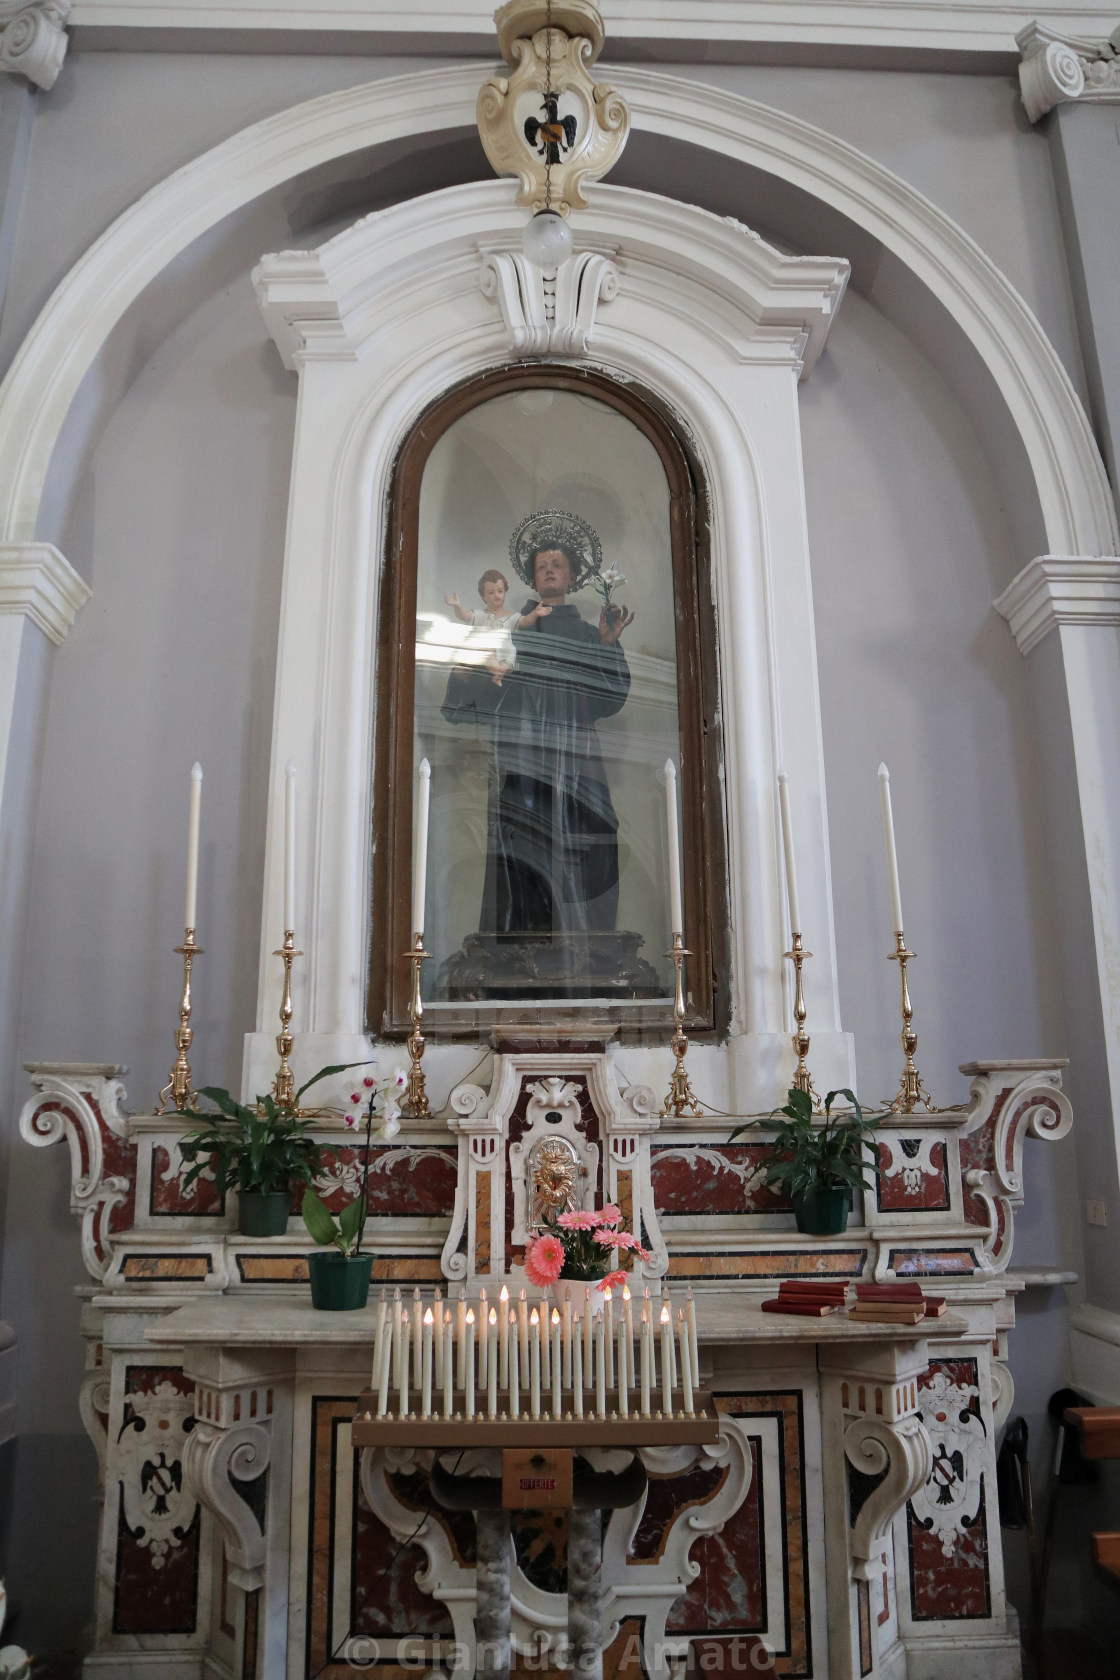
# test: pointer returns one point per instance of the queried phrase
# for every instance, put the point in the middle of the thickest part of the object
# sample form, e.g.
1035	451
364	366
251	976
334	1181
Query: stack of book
895	1303
808	1298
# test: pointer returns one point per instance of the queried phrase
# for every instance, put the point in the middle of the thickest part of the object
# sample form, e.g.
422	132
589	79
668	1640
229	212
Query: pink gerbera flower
607	1238
613	1280
610	1215
578	1221
544	1261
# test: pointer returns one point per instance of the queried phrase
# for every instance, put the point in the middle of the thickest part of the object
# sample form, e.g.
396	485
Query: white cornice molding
1057	590
911	28
1073	489
1057	68
35	579
33	38
760	305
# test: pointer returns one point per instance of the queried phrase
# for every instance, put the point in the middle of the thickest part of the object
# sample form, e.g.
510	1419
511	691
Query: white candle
534	1365
787	842
492	1365
514	1366
503	1335
567	1341
686	1363
382	1309
483	1335
426	1367
676	911
623	1384
666	1363
557	1368
383	1377
437	1308
577	1372
404	1366
420	858
608	1320
647	1360
417	1335
892	855
523	1336
600	1367
468	1372
628	1319
693	1341
461	1334
588	1330
398	1312
192	845
448	1367
289	847
546	1345
672	1345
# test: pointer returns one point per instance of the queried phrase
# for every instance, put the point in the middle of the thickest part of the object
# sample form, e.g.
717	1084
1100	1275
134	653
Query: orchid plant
578	1246
379	1099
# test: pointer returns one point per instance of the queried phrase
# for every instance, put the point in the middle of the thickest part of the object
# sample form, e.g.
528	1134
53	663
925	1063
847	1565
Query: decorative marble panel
947	1522
158	1523
914	1175
709	1178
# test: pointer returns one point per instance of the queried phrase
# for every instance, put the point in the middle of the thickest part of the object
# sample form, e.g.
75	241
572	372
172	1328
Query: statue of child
491	626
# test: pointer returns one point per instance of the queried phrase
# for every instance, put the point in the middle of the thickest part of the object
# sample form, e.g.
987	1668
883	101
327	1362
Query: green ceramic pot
339	1282
263	1213
823	1210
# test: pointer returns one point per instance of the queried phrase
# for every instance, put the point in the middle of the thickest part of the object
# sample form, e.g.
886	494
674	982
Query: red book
809	1286
935	1306
802	1309
889	1291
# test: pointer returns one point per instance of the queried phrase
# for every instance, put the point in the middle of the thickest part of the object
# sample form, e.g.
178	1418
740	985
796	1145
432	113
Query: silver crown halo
553	528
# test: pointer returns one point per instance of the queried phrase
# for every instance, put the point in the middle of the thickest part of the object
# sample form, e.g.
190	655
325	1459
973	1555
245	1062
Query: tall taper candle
666	1363
534	1365
461	1333
398	1313
383	1377
588	1330
492	1364
503	1337
647	1362
892	855
600	1366
426	1367
417	1336
672	1346
514	1369
676	911
448	1366
628	1320
468	1368
577	1370
787	842
523	1336
567	1341
693	1342
192	846
623	1382
557	1367
686	1362
382	1309
404	1366
546	1344
289	846
483	1336
420	857
608	1336
437	1308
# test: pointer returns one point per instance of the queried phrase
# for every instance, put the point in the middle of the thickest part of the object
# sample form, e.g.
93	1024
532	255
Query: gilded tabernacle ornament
550	123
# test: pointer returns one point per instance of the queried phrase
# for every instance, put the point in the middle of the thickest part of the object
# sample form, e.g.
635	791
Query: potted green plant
260	1151
819	1165
340	1274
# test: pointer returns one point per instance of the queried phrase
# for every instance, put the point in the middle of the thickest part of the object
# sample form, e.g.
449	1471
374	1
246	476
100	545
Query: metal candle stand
680	1099
179	1090
911	1092
283	1086
416	1099
802	1079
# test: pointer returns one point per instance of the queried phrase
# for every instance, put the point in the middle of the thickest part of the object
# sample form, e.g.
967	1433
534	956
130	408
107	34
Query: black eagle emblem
554	136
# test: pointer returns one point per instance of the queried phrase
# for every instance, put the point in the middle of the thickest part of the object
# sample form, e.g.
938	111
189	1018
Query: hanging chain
548	104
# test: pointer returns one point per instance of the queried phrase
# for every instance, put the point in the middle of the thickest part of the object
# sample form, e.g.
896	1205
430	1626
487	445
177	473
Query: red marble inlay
706	1178
910	1187
168	1196
386	1600
729	1591
119	1159
404	1181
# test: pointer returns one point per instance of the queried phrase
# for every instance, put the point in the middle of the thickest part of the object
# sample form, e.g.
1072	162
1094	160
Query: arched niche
717	327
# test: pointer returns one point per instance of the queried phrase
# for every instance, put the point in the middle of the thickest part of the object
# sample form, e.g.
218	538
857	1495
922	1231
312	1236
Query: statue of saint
552	831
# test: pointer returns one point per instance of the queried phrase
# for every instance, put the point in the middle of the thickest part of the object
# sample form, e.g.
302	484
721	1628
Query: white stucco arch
1073	491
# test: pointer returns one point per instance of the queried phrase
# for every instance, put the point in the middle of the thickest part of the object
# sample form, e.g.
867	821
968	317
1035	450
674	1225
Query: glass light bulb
547	239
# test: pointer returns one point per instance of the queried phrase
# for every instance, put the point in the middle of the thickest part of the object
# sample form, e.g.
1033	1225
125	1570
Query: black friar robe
552	832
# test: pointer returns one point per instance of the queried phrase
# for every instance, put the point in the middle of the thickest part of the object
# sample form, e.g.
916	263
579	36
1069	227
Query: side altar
845	1523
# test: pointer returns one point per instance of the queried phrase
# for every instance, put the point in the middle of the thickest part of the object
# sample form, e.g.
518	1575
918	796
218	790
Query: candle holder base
911	1093
416	1096
283	1086
179	1090
802	1079
680	1098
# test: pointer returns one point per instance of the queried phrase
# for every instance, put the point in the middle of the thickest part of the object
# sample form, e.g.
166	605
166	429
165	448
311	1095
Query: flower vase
585	1296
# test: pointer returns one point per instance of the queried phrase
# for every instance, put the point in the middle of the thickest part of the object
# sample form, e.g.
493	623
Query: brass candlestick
417	1097
179	1090
802	1079
681	1099
284	1085
911	1092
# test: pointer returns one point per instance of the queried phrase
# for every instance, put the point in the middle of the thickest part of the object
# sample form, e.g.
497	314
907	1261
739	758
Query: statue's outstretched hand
613	623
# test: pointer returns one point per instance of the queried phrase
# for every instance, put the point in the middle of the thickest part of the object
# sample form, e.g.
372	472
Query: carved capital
549	314
83	1103
33	38
580	129
215	1459
1059	68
